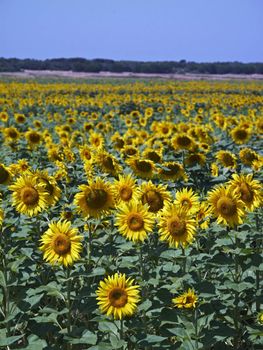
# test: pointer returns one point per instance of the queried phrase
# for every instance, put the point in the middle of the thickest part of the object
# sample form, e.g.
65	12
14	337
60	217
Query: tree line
106	65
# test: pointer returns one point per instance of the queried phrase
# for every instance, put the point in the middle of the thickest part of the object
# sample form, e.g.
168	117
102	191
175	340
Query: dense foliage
98	65
131	215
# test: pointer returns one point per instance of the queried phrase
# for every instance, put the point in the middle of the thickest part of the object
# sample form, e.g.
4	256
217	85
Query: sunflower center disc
241	134
61	244
3	175
34	138
97	198
125	193
118	297
186	203
29	195
184	141
246	193
108	163
176	227
135	222
143	166
153	199
226	206
13	134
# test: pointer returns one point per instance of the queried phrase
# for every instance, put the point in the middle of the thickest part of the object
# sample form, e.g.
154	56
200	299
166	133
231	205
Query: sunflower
214	170
143	168
11	134
249	190
50	185
202	215
134	221
61	243
153	155
182	141
5	174
107	163
29	195
33	138
195	158
248	156
86	153
125	188
20	118
226	206
95	199
154	195
186	300
240	135
172	171
227	159
118	296
96	140
176	226
186	198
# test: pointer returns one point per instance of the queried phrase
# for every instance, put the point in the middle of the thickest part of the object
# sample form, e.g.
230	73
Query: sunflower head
118	296
154	195
187	199
61	243
187	300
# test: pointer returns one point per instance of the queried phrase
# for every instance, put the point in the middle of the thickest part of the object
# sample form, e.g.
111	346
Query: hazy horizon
160	30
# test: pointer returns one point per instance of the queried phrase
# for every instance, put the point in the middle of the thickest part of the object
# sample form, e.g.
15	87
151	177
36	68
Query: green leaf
108	327
10	340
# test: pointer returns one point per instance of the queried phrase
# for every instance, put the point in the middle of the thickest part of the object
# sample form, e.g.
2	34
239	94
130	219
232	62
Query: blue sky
148	30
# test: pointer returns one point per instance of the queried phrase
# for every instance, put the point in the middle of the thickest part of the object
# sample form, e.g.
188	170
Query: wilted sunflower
172	171
61	243
29	195
143	168
227	159
154	195
248	156
95	199
240	135
134	221
186	300
125	188
5	175
187	199
248	190
226	206
107	163
118	296
176	226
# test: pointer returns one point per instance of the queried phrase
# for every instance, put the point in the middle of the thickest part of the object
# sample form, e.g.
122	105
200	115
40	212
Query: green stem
184	261
141	262
68	301
236	310
196	327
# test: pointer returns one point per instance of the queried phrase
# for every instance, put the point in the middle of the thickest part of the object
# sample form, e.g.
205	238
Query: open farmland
131	215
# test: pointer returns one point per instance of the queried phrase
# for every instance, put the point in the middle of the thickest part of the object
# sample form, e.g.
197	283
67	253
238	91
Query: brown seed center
176	226
246	193
143	166
153	199
96	198
29	195
61	244
125	193
135	222
118	297
226	206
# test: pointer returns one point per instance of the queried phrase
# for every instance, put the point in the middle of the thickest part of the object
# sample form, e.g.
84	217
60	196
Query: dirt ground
70	74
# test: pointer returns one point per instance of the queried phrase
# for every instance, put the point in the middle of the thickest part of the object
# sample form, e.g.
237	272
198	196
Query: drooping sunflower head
61	243
143	168
248	190
50	185
154	195
118	296
125	188
187	300
226	158
134	221
95	199
176	226
226	206
29	195
107	163
5	175
187	199
172	171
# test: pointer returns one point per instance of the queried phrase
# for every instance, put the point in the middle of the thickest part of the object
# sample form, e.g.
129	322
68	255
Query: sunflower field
131	215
